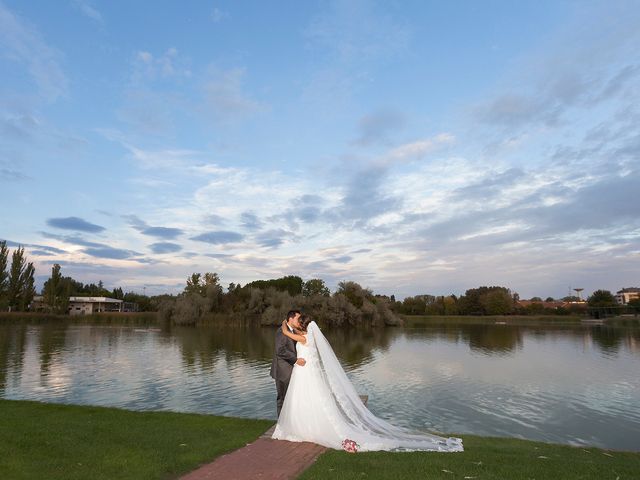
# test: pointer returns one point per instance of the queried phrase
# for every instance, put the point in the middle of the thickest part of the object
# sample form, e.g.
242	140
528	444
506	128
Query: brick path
264	459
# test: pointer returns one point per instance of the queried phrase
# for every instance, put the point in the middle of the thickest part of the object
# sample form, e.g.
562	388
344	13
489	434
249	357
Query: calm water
568	384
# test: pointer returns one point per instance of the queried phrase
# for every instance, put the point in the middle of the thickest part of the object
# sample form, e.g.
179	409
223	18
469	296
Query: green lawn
483	459
48	441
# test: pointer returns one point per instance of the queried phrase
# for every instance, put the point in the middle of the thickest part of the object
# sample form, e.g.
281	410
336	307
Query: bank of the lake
531	320
244	320
55	441
98	318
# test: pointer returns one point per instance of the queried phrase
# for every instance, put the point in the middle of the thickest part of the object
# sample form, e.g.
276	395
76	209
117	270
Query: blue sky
414	147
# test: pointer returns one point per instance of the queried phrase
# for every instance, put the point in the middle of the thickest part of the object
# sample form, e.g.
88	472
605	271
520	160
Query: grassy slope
483	459
50	441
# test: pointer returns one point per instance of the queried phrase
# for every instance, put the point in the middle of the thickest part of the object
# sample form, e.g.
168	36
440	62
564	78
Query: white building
625	295
88	305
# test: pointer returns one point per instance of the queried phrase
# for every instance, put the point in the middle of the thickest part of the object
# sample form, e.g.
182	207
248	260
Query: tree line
267	301
203	298
497	300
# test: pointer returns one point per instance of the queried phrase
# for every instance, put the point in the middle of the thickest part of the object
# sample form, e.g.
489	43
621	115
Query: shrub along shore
237	319
54	441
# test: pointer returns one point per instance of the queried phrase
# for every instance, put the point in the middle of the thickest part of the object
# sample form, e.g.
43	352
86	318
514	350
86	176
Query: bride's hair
304	321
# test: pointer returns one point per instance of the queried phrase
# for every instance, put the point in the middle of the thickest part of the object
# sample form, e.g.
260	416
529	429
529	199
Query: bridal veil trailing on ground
323	407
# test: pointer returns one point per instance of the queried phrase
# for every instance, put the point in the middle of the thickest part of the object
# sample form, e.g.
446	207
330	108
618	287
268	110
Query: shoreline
410	321
271	421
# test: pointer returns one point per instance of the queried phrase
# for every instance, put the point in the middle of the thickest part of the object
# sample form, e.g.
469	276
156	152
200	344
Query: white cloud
87	8
148	67
418	149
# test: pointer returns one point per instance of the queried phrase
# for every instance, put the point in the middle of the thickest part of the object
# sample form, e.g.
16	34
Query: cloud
218	237
147	112
366	195
162	232
89	10
22	43
272	238
218	15
416	150
377	127
36	249
250	221
74	223
305	208
225	98
146	229
110	252
71	239
42	253
213	219
150	67
579	70
178	161
489	187
218	255
94	249
10	175
165	247
20	125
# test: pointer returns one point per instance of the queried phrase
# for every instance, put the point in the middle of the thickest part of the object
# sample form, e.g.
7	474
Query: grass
52	441
483	459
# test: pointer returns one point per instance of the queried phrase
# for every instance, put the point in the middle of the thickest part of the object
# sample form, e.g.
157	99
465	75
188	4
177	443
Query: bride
322	406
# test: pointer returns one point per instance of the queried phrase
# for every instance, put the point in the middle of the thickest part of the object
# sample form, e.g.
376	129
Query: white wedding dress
323	407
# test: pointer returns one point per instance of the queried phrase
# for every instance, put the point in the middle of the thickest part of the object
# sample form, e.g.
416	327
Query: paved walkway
264	459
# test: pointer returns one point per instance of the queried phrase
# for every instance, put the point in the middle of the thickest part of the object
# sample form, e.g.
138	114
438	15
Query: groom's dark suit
283	360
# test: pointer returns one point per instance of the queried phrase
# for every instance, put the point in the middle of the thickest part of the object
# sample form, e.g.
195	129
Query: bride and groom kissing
316	401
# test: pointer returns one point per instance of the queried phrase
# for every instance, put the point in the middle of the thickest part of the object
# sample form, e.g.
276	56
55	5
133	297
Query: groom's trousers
281	388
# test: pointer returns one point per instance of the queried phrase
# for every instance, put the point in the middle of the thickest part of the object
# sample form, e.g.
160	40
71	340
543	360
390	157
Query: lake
571	383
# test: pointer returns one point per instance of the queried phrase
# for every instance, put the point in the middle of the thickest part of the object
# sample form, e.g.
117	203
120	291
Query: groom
285	357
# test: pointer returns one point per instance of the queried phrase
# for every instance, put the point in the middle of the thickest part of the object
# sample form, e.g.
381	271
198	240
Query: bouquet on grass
350	446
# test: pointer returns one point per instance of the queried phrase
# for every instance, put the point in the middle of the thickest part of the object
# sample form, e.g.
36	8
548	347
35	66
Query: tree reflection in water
13	339
204	345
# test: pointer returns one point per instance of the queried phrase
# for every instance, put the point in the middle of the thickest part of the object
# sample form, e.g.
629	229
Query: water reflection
566	383
12	343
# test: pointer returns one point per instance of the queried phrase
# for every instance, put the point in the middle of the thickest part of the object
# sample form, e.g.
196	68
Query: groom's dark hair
293	313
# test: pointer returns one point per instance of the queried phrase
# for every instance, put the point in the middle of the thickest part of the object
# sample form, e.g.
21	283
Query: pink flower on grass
350	446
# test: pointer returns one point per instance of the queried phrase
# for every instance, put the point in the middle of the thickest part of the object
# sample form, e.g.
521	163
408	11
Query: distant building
88	305
625	295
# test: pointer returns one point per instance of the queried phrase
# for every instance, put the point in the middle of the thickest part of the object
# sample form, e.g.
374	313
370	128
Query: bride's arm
293	336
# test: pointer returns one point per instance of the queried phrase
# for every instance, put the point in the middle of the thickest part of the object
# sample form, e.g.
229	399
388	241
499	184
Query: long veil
370	431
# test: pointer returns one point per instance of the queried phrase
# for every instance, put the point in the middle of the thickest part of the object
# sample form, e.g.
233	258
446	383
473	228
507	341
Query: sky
411	146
